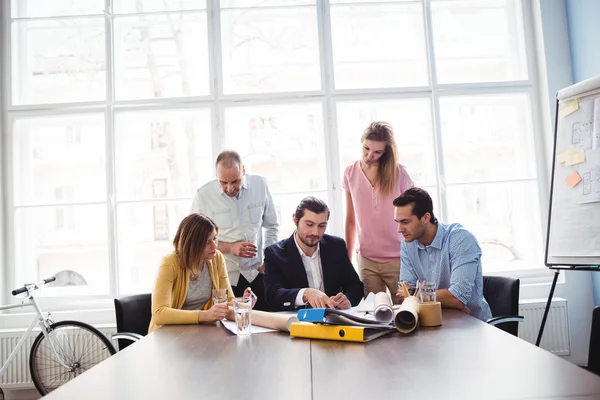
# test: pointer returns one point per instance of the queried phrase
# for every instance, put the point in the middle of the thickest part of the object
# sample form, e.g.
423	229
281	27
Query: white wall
555	71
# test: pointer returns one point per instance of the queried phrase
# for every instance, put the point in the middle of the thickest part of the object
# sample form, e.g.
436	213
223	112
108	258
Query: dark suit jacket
285	274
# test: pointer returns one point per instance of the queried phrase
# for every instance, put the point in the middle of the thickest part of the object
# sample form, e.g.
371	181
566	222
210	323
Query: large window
114	117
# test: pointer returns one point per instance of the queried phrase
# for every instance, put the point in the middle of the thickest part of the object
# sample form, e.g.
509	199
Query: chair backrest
594	356
133	315
502	294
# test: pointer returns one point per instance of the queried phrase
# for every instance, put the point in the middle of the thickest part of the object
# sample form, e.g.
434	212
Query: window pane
412	123
505	218
58	160
478	40
377	46
286	204
372	1
264	3
70	240
56	61
139	6
283	143
145	232
55	8
161	56
270	50
162	154
487	138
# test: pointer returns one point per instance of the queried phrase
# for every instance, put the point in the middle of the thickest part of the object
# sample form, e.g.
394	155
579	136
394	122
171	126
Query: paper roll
430	313
281	322
407	317
383	307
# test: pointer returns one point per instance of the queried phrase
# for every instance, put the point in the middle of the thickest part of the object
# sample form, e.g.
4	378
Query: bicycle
62	351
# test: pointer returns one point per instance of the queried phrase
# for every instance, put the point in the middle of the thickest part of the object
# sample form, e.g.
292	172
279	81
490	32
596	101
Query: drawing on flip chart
590	178
591	181
580	127
582	132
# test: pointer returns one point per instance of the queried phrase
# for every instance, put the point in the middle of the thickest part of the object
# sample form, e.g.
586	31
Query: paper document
232	327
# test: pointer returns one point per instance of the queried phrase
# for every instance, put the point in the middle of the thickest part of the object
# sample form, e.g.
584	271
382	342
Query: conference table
463	359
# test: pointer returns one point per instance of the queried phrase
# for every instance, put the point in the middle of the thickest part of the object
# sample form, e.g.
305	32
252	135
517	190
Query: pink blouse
378	237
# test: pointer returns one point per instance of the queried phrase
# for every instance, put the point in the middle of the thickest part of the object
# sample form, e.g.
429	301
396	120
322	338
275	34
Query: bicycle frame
44	323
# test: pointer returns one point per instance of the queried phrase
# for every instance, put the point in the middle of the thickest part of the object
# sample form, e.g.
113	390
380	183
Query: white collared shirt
239	218
314	271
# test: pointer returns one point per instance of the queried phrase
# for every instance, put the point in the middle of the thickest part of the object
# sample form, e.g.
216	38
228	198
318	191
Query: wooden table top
463	359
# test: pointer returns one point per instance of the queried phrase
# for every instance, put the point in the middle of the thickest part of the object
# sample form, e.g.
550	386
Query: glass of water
427	292
219	295
242	307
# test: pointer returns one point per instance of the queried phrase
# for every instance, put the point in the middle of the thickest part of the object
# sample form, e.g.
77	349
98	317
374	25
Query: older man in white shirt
241	206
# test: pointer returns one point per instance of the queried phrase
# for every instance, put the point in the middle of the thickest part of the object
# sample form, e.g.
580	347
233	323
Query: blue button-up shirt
453	262
240	218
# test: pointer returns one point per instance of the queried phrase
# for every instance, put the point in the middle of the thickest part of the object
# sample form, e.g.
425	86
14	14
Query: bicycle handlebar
32	286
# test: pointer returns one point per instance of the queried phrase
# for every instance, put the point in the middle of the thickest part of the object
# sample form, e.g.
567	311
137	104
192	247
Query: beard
307	240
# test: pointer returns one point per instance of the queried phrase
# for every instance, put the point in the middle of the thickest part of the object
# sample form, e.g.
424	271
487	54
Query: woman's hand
249	293
216	313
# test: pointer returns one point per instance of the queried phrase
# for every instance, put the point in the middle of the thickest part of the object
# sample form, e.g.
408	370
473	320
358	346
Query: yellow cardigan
171	287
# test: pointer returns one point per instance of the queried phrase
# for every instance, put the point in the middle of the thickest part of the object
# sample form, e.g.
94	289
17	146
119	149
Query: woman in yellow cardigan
183	289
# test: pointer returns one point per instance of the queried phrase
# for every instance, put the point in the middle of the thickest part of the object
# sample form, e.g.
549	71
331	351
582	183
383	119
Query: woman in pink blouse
371	185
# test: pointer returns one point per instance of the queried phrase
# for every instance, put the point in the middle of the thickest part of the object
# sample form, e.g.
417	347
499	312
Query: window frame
217	102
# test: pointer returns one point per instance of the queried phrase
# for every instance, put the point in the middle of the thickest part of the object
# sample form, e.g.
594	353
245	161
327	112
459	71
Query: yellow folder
336	332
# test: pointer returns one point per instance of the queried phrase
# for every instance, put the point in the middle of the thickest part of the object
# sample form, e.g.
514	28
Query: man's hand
244	249
340	301
400	294
466	310
317	299
261	269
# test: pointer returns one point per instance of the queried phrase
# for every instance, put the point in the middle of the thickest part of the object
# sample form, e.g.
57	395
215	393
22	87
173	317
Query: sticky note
569	108
574	158
573	179
562	155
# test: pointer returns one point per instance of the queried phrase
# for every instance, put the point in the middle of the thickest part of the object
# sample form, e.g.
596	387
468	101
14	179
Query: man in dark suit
309	267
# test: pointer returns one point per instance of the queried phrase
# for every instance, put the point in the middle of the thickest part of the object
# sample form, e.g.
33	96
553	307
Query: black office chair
502	294
133	318
594	355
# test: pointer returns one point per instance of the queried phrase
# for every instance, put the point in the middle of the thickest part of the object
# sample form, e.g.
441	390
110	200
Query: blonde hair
388	163
192	238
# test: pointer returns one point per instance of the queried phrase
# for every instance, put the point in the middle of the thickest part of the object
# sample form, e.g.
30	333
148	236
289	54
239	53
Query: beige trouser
378	276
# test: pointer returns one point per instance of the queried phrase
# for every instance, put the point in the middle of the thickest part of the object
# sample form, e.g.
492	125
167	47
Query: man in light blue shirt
241	206
447	255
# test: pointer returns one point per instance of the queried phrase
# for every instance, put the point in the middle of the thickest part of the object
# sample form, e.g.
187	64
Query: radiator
556	331
17	375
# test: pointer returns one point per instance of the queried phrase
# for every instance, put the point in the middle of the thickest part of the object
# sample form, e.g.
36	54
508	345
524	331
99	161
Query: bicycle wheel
79	346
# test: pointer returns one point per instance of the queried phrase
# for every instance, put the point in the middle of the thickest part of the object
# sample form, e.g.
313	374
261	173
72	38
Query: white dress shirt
240	218
314	271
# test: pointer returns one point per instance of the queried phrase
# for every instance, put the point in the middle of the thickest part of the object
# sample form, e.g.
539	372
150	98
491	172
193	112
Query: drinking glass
427	292
242	308
219	295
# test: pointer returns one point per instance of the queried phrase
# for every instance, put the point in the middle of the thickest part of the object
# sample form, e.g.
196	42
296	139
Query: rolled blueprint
383	307
407	317
280	322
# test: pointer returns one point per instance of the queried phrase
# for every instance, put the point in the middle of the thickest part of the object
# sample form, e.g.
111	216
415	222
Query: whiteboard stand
573	230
